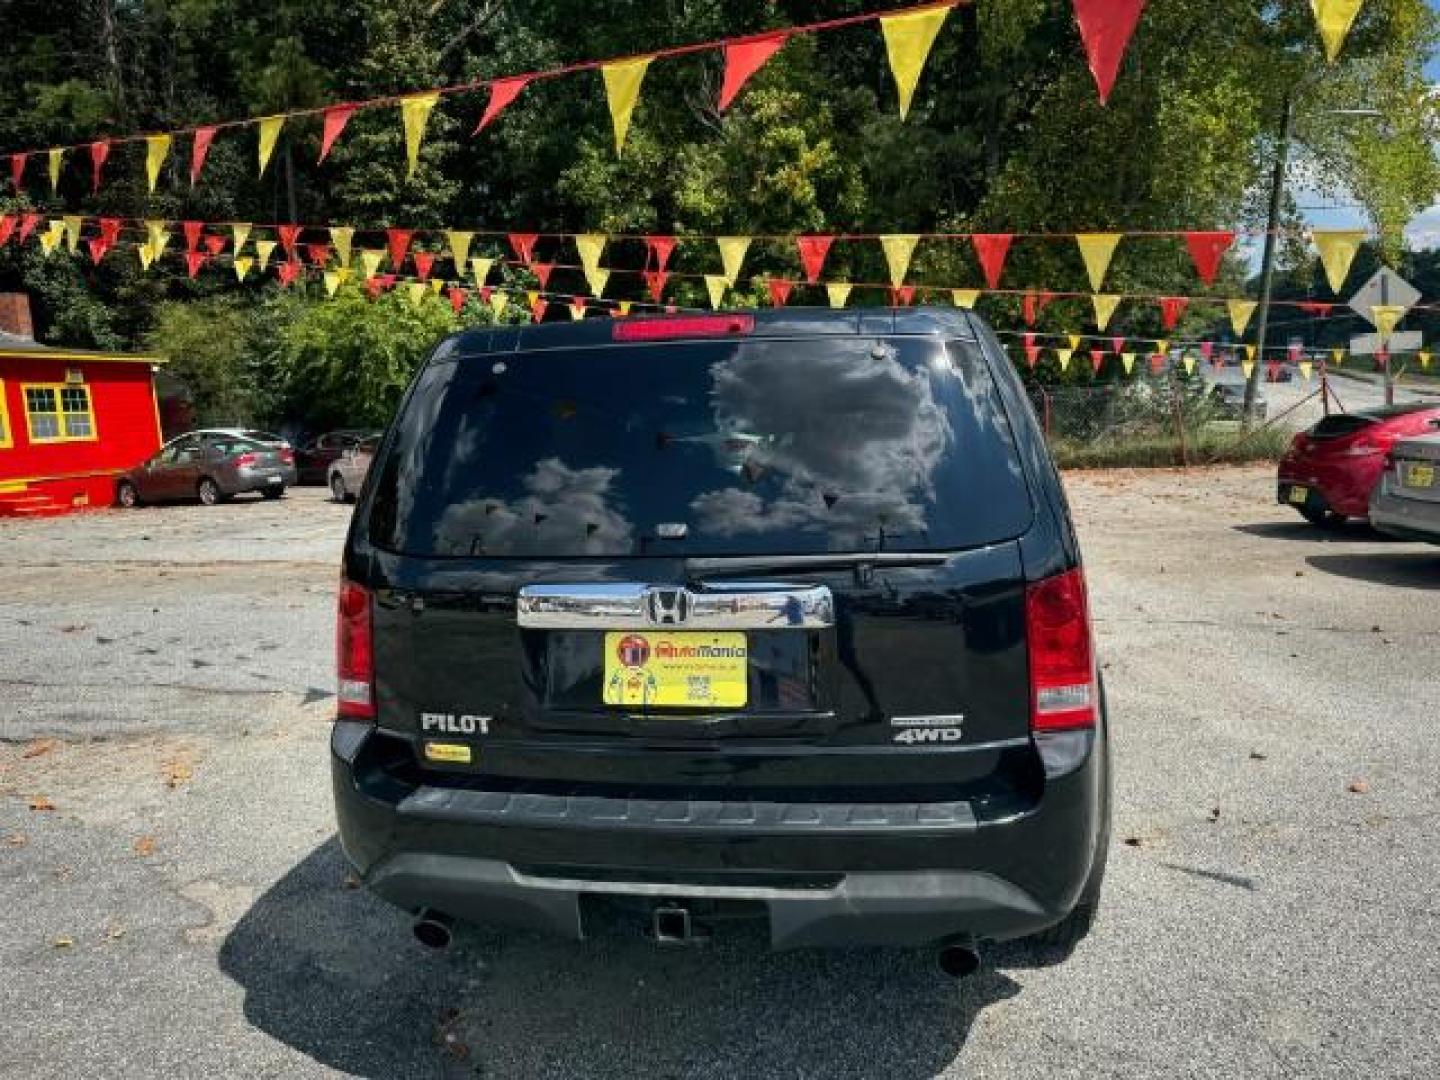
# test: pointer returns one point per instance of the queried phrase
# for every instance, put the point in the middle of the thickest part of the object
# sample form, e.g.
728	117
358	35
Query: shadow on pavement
1411	570
1302	531
335	974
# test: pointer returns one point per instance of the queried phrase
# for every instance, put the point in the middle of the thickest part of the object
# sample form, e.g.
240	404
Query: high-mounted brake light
683	327
355	653
1062	663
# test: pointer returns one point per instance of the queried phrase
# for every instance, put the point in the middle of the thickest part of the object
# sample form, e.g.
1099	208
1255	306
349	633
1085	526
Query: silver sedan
347	473
211	465
1406	502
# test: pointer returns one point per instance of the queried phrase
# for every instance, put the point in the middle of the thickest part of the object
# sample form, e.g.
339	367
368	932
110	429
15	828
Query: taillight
245	460
355	652
683	327
1062	662
287	457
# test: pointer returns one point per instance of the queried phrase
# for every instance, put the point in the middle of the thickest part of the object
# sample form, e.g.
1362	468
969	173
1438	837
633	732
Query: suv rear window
703	448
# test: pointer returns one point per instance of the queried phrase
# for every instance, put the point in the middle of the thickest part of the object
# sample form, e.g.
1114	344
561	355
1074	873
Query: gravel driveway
175	903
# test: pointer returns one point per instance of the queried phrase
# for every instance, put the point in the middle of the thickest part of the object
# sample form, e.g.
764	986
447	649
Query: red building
70	420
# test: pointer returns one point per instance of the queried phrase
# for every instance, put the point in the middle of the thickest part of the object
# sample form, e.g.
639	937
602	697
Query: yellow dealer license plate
695	670
1299	494
1420	476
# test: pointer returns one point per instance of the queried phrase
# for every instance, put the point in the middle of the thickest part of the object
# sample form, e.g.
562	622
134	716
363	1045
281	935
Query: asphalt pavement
176	905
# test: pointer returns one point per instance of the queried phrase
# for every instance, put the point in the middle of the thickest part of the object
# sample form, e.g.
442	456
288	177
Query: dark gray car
211	466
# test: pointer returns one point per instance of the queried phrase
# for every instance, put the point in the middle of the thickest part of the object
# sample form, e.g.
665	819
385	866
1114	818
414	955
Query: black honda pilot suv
774	614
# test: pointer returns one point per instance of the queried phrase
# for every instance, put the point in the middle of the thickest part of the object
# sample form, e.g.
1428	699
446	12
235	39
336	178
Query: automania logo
668	650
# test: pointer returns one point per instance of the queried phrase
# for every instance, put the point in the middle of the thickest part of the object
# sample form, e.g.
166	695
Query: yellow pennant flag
1305	368
459	248
157	149
72	232
908	38
1162	346
965	298
414	114
715	284
1189	363
342	236
622	90
242	266
1334	18
1424	358
55	156
370	262
156	237
1385	316
1247	367
480	269
1097	249
1250	354
269	131
622	308
1064	355
436	285
838	292
332	282
531	295
1074	341
146	255
597	281
264	249
590	246
50	238
1337	249
1128	359
1337	357
1105	305
241	232
899	247
1240	312
577	310
498	300
415	290
732	255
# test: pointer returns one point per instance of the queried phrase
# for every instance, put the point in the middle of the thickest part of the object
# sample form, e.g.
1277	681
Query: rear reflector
355	653
684	327
1062	662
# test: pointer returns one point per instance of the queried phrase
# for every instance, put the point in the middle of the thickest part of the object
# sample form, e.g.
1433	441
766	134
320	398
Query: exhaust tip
959	960
434	929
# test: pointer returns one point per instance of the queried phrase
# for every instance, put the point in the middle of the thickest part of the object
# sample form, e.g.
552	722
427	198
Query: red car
1329	471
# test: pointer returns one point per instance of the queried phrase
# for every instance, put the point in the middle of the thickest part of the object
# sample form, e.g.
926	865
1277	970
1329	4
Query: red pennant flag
1171	308
1032	351
1033	304
542	273
1294	353
194	260
288	235
655	280
779	290
745	57
1097	359
27	225
7	227
457	298
287	271
991	249
424	262
1117	345
577	305
110	231
215	244
1206	250
537	308
1105	29
398	240
502	93
192	234
1157	363
485	293
17	171
373	285
902	295
335	120
1316	308
523	244
99	151
660	249
98	248
671	309
198	150
319	254
1207	349
813	250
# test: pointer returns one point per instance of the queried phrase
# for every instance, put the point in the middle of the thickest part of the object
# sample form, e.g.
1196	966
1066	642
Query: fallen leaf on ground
1359	787
38	747
40	802
145	846
1215	814
74	628
1256	755
1133	841
16	839
115	933
63	942
177	772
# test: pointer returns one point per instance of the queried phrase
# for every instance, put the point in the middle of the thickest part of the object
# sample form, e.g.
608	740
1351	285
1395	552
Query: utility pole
1267	264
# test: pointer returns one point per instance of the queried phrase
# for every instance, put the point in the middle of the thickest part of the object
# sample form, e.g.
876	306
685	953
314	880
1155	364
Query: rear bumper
1407	519
824	874
1343	487
239	481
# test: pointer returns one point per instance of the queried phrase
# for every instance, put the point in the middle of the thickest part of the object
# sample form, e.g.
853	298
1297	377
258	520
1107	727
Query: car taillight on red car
355	653
1062	662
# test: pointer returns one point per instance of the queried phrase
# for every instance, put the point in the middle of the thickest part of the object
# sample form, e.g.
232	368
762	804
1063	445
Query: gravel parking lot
175	902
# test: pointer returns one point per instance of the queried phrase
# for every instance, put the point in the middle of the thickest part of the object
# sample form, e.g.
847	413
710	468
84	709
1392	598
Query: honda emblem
668	607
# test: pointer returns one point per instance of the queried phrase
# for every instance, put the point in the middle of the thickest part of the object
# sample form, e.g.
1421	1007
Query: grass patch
1211	446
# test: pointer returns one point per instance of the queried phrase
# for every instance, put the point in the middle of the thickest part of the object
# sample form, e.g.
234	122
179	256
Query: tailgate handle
720	605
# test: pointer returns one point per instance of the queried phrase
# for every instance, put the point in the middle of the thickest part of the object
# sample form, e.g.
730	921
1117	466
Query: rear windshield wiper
863	563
